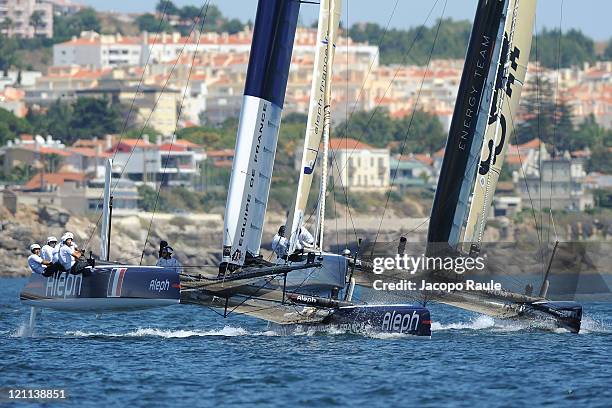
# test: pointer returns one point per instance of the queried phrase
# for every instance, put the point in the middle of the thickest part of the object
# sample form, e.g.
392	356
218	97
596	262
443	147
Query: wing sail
468	124
327	34
501	123
260	116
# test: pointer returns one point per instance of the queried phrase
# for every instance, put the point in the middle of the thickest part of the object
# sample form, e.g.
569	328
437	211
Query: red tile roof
220	153
55	179
172	147
348	143
87	152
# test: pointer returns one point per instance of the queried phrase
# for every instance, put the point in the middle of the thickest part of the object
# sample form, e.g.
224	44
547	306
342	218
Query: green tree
538	112
7	25
11	126
189	12
413	46
169	7
8	54
54	121
607	55
65	27
423	133
148	22
590	134
93	117
148	196
36	20
374	127
232	26
576	48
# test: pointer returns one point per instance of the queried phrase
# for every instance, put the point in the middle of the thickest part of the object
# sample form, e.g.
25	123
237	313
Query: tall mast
105	229
260	117
318	120
468	124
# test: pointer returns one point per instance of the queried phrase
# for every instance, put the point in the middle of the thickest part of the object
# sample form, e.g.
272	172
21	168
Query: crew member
48	249
35	262
162	244
280	244
68	252
167	261
305	239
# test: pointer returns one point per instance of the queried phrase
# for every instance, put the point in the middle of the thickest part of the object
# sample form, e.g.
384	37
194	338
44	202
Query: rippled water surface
188	356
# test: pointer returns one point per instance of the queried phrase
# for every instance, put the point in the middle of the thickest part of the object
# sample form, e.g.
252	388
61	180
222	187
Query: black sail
456	166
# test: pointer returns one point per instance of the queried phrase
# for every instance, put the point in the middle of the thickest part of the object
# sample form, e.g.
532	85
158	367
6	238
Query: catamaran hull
104	289
383	319
561	314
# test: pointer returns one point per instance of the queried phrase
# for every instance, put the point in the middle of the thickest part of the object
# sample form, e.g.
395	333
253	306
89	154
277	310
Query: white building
174	163
358	166
98	51
28	18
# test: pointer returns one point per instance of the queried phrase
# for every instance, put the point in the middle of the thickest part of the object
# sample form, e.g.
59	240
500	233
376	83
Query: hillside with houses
164	106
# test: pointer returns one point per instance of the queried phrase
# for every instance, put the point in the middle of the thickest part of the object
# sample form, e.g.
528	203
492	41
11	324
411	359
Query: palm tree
7	25
36	20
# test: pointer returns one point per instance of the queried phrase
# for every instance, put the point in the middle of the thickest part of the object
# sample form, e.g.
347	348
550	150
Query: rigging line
349	214
555	119
150	115
417	36
416	104
127	119
252	296
535	219
178	118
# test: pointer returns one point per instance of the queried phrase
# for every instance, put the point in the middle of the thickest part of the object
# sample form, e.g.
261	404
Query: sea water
188	356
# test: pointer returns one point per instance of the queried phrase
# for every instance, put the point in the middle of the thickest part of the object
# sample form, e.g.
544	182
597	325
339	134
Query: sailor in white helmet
48	250
68	254
167	261
35	262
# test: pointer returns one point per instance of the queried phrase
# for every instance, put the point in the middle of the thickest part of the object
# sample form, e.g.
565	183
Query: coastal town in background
162	99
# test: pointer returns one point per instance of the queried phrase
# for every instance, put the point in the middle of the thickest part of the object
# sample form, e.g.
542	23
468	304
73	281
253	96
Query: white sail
320	94
251	177
501	124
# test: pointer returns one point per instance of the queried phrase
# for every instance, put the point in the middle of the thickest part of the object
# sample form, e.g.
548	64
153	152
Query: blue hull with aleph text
369	319
107	288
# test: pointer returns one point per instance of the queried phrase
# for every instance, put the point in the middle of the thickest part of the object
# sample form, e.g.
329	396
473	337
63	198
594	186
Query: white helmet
34	246
67	235
51	239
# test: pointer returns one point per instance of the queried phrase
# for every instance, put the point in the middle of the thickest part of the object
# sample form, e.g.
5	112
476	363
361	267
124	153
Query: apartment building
98	51
169	162
26	18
